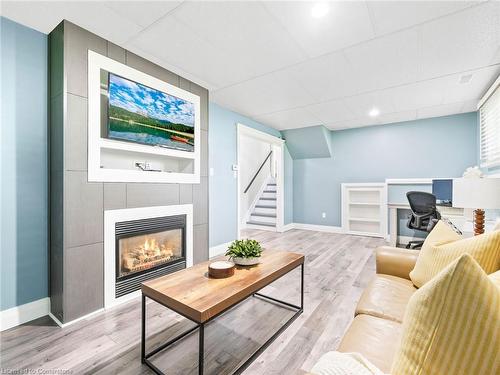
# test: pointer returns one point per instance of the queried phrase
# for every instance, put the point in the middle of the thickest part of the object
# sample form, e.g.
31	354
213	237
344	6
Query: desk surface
192	293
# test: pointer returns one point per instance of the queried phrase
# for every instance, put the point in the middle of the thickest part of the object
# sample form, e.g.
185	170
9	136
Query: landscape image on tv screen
140	114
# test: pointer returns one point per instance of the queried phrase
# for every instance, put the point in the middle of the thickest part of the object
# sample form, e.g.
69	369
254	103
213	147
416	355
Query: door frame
277	145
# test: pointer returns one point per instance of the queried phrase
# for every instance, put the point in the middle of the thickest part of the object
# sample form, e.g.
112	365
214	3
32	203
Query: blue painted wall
223	213
23	193
436	147
308	143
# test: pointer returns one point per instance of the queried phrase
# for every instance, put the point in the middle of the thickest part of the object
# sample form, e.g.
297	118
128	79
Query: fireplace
146	249
142	244
138	253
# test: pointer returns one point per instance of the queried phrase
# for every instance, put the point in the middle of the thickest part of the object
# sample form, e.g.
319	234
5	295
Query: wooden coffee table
192	294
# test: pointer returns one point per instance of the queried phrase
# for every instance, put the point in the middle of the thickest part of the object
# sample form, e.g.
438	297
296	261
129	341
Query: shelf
364	204
134	147
363	209
367	220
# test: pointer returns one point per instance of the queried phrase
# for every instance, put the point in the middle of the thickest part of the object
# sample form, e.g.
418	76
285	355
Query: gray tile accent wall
116	53
77	206
84	289
147	195
83	210
56	167
75	157
200	233
77	42
115	196
200	202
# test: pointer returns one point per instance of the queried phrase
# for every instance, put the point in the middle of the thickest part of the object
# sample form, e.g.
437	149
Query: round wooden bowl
221	269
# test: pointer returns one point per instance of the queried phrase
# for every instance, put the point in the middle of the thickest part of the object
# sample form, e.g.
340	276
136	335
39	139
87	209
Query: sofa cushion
452	324
336	363
485	249
386	297
375	338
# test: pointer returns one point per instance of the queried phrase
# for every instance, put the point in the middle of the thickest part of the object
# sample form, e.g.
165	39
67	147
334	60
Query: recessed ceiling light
374	112
319	10
466	78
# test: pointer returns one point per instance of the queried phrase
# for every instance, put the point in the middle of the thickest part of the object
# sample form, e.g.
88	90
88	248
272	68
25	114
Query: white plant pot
246	261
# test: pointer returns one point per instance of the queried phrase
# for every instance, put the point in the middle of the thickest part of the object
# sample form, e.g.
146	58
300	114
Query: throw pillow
452	325
485	249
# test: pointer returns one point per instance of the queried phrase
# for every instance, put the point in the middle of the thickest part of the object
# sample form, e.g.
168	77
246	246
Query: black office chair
424	214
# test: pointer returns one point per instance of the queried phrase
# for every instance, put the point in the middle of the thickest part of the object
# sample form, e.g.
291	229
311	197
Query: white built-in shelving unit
364	209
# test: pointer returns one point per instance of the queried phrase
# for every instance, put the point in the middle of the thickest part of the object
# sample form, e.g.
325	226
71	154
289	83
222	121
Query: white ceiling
275	63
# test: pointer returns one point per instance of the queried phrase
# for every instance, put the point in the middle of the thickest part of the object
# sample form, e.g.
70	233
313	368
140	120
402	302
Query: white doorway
260	180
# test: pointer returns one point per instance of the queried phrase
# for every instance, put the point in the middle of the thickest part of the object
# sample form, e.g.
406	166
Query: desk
455	215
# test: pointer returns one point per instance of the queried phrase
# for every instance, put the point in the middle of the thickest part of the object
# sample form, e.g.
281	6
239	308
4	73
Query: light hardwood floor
337	269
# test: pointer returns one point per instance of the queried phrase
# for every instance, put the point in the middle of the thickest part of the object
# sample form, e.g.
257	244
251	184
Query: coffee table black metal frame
201	329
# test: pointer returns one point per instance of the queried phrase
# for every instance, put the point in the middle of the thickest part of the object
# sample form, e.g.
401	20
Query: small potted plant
244	252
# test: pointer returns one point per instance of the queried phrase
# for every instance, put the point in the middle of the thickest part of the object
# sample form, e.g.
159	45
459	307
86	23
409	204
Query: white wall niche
112	160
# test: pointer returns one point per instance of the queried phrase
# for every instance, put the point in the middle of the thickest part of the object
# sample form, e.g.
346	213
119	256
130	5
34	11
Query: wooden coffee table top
193	294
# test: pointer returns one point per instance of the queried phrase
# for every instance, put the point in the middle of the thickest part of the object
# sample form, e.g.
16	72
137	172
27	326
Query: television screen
140	114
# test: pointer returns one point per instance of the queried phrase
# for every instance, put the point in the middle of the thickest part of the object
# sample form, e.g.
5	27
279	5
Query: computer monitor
443	190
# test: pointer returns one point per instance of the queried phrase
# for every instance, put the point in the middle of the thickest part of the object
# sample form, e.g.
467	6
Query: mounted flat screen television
140	114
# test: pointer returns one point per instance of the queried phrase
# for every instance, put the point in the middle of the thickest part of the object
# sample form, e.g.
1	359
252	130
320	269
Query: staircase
264	212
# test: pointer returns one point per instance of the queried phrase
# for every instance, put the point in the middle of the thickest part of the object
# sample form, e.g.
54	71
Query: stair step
267	199
263	214
253	222
271	184
269	191
266	210
264	206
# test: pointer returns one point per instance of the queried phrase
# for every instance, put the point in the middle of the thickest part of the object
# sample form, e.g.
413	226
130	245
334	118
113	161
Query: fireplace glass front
147	251
148	248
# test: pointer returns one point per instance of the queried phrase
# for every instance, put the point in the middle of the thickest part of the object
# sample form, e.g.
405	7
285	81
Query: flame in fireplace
150	244
146	254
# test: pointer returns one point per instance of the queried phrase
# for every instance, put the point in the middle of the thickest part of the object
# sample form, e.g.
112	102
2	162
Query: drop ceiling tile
469	106
289	119
44	16
386	61
463	41
173	42
389	118
266	94
361	105
331	111
173	68
327	77
142	13
481	80
346	23
418	95
102	21
389	16
243	29
345	124
440	110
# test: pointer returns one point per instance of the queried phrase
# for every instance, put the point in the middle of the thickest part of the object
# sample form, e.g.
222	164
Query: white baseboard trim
63	325
260	227
318	228
24	313
287	227
218	250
